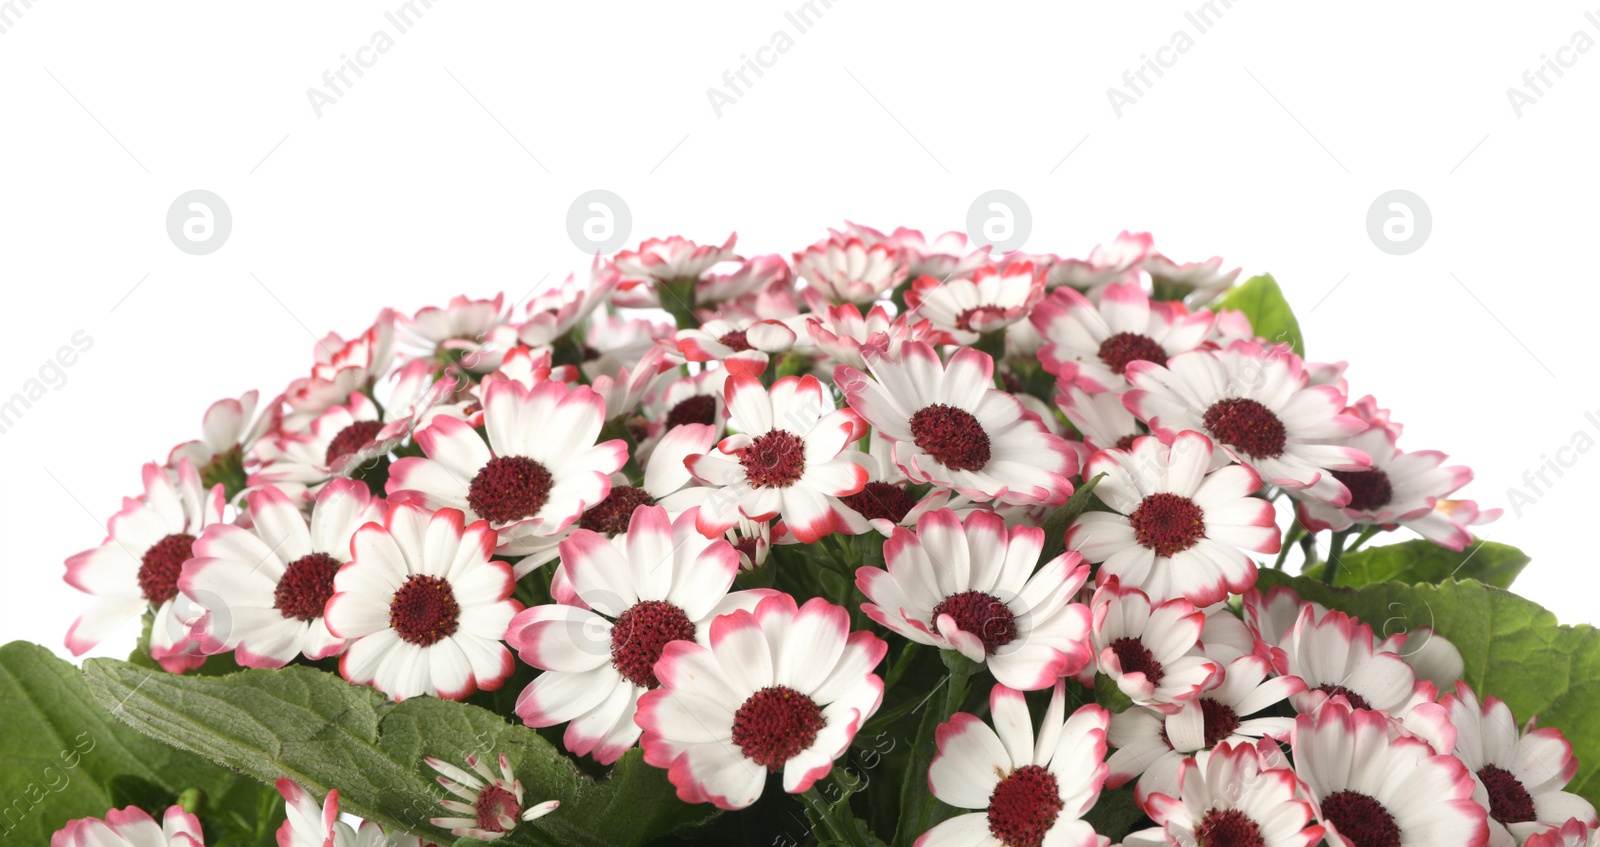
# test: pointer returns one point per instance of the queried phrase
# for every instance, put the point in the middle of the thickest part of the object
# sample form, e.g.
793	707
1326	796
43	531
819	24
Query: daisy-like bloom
555	312
138	565
1337	659
740	345
423	606
1150	651
944	256
310	824
1152	746
675	262
753	276
622	601
966	308
1371	789
1273	616
789	458
1176	530
840	332
622	392
1255	404
229	430
341	367
1091	346
848	270
539	470
1032	787
1400	488
132	827
1101	418
301	463
778	689
1107	264
692	399
491	802
1520	774
1194	282
971	587
1230	797
264	589
884	503
613	343
752	540
473	334
1573	833
952	428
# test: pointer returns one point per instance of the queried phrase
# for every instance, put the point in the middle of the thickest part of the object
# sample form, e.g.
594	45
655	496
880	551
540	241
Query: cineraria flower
945	256
778	689
539	470
1101	418
1230	796
132	827
1400	488
623	599
966	308
952	428
753	542
1337	659
1153	746
492	802
423	606
789	458
847	270
675	262
138	565
1176	530
300	463
1255	404
309	824
1033	788
971	587
1195	282
1370	788
1106	265
753	276
341	367
264	589
472	334
1519	774
740	345
1091	346
1150	651
841	332
229	430
884	502
613	343
556	311
1573	833
692	399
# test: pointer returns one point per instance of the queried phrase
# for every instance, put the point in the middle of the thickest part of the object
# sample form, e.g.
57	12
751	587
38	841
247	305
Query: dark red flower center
775	724
1369	490
1509	801
774	460
748	547
509	489
1361	819
1355	700
1220	721
1228	828
424	610
699	409
952	436
350	439
639	636
981	314
1121	349
881	500
494	803
305	587
1137	658
1126	442
611	515
1024	806
982	615
1248	427
735	341
161	565
1167	523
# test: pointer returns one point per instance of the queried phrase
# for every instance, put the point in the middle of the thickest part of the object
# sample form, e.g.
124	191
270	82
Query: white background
449	167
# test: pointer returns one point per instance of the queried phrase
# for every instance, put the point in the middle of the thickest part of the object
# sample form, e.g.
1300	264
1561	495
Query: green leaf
1262	301
1055	523
1421	560
1116	813
324	733
63	756
1513	649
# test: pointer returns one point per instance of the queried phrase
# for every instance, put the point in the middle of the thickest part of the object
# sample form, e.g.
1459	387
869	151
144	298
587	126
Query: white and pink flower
1150	651
490	802
1235	795
966	308
847	270
1091	345
132	827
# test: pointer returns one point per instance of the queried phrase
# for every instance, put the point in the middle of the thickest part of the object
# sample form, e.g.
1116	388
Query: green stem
1335	550
1289	538
1364	537
917	806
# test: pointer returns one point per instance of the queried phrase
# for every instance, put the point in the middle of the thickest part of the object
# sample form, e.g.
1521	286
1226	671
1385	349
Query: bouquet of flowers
891	542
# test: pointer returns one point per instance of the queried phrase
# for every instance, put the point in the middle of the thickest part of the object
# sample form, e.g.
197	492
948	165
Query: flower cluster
701	533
